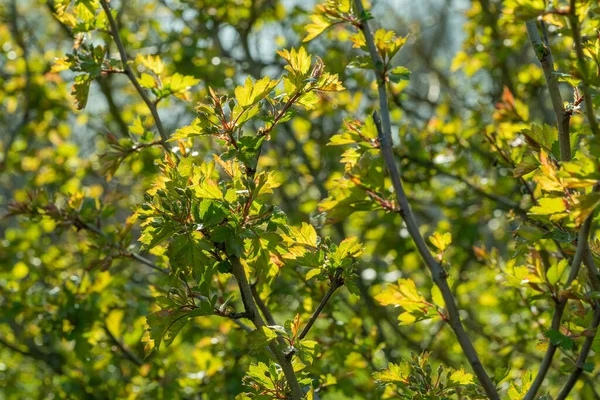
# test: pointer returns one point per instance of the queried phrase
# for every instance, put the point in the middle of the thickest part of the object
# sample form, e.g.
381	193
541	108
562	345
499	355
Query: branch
14	348
544	56
253	314
501	201
126	352
53	360
263	307
589	106
336	282
114	109
149	263
18	36
585	350
436	270
587	345
582	244
124	59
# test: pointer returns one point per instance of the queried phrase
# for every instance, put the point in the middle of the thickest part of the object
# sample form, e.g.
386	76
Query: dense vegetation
264	199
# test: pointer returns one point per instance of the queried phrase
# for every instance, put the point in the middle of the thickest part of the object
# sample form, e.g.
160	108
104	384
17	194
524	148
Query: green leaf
560	340
261	337
262	375
248	148
308	350
306	235
253	92
349	247
436	296
319	25
209	213
556	271
461	377
299	61
441	241
548	206
312	273
395	373
81	90
186	252
147	81
208	189
587	205
399	74
164	325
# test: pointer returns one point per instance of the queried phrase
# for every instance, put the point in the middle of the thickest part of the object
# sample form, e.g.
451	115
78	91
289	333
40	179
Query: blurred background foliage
74	302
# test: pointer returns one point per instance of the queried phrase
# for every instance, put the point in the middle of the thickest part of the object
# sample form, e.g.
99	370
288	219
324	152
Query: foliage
193	208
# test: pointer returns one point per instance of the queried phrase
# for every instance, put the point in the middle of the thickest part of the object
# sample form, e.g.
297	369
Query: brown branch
585	351
126	352
124	59
544	55
262	305
436	270
18	36
582	243
335	283
253	314
585	89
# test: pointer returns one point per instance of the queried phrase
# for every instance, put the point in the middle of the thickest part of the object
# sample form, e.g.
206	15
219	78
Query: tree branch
253	314
582	244
335	283
436	270
263	307
544	55
126	352
124	59
585	350
19	39
585	89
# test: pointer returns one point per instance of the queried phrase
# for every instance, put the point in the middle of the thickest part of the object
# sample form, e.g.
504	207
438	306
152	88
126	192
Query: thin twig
335	283
263	306
126	352
124	59
501	201
436	270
